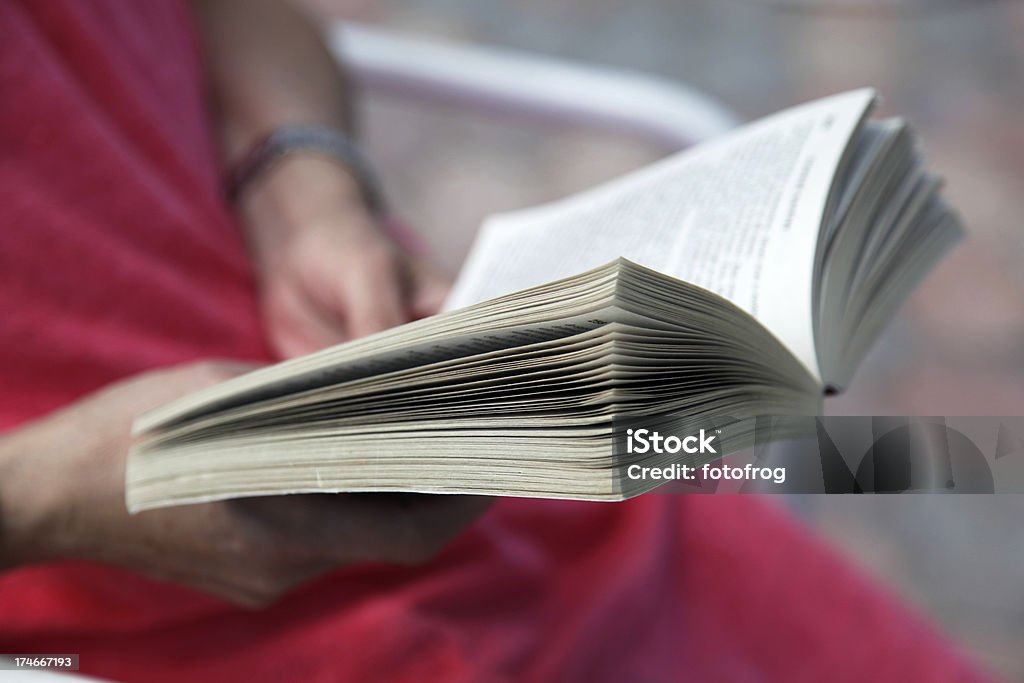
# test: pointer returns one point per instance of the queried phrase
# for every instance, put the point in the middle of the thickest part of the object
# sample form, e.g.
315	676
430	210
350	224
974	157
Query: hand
326	269
62	496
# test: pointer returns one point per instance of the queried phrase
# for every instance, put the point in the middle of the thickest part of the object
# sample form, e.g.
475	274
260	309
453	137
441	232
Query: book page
739	216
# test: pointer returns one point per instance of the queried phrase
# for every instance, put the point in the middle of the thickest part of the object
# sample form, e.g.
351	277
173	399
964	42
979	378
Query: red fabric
117	255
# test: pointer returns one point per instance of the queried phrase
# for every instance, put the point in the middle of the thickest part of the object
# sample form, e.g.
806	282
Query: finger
372	527
403	235
150	389
294	329
206	547
310	333
373	293
428	287
402	528
286	344
233	368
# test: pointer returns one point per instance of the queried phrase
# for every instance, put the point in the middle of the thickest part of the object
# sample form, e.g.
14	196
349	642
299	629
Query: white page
739	216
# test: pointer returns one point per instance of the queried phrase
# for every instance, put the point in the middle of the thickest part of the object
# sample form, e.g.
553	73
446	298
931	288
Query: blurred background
955	68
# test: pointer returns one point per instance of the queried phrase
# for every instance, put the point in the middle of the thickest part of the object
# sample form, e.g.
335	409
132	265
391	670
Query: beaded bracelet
306	138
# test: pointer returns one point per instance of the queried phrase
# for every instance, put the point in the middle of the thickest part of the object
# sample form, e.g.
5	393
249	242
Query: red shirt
118	254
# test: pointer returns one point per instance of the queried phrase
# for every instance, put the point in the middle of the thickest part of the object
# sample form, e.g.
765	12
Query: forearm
326	268
267	67
62	496
62	476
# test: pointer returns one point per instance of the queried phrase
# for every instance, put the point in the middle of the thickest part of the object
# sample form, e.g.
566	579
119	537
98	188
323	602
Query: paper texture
739	216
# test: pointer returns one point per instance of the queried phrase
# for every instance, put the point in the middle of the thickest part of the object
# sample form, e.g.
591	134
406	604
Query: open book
747	276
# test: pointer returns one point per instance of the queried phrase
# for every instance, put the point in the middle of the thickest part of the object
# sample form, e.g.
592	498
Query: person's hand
62	496
327	271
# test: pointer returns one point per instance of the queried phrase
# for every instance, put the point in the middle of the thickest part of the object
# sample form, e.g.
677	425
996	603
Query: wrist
308	139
